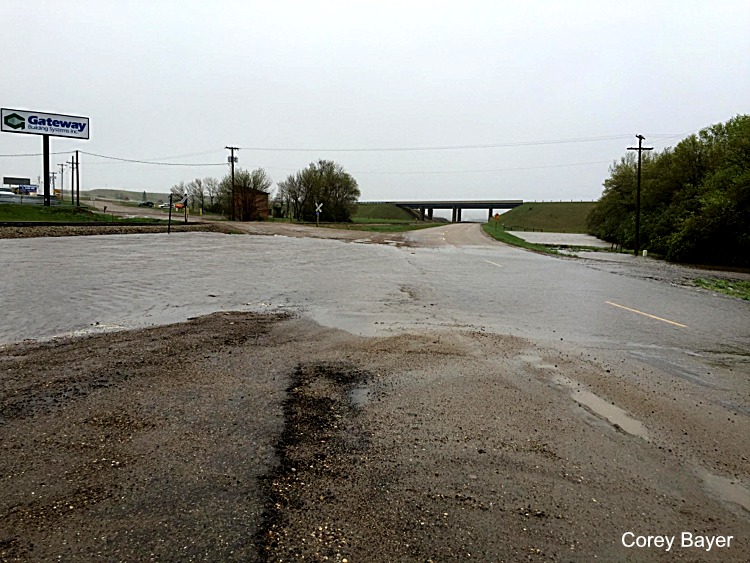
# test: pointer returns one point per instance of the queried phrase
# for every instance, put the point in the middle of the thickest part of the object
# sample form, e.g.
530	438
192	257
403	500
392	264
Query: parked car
146	204
164	206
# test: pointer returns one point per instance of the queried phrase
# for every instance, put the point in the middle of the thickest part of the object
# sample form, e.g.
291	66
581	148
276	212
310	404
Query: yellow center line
646	314
494	263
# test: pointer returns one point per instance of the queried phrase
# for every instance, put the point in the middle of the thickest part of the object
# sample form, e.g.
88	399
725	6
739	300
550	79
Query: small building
251	205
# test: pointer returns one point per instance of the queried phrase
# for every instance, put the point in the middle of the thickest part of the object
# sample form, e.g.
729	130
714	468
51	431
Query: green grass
735	288
381	211
499	234
393	227
380	227
59	214
554	217
370	220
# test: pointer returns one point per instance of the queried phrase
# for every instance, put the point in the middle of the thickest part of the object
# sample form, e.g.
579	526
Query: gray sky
164	80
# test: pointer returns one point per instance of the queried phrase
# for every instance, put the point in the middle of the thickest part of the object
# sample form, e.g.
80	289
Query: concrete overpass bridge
427	207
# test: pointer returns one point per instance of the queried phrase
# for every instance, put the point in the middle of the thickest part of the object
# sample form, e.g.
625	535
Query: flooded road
453	276
510	401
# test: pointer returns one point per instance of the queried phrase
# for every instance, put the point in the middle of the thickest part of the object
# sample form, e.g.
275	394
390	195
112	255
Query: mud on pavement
250	437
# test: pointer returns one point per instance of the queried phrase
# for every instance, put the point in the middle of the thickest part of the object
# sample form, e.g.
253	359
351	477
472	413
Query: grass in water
503	236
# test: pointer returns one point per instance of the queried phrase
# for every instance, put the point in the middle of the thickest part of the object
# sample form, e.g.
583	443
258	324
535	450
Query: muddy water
614	414
62	285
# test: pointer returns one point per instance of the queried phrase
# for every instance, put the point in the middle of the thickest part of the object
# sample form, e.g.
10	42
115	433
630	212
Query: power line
151	161
456	147
32	154
485	169
419	172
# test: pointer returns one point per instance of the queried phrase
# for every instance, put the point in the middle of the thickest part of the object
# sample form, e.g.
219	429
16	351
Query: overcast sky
178	81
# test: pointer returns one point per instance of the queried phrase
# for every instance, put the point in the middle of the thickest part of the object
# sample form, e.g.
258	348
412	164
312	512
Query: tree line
323	183
695	198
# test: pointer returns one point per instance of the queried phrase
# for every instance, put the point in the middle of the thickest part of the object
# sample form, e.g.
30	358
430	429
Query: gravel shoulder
247	437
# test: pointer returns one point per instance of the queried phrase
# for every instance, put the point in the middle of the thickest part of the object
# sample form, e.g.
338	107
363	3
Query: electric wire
134	161
33	154
456	147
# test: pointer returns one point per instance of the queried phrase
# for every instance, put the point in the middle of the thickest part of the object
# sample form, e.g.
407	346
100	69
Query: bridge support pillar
489	217
458	214
421	213
453	216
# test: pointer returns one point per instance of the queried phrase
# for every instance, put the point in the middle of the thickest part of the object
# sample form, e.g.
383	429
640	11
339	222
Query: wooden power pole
232	159
640	148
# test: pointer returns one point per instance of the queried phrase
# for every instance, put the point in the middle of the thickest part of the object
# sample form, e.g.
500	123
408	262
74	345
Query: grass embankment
60	214
553	217
735	288
383	218
383	227
381	212
498	233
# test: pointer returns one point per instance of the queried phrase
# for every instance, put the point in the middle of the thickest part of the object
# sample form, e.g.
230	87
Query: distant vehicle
163	206
179	205
146	204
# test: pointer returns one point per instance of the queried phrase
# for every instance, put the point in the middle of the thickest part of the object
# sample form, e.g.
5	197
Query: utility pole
72	179
232	159
640	148
78	182
53	174
62	166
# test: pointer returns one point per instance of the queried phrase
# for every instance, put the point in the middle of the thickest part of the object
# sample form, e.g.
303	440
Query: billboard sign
38	123
28	189
13	181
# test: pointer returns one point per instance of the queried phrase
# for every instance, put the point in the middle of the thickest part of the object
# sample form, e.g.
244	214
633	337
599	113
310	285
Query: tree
250	187
323	182
178	190
211	187
695	198
144	195
197	193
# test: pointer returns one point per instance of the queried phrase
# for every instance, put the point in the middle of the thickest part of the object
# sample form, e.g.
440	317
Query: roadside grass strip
503	236
735	288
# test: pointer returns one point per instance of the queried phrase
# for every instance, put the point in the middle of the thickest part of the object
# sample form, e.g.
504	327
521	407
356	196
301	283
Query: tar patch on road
320	435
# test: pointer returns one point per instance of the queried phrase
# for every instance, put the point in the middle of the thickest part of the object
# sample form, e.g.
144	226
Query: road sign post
318	209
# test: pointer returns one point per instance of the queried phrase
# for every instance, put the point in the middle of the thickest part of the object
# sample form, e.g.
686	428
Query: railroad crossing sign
318	209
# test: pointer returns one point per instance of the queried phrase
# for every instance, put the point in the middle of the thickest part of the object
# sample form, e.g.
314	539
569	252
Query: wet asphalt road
680	439
454	277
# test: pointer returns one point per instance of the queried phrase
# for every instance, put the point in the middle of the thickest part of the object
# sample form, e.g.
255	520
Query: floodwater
614	414
53	286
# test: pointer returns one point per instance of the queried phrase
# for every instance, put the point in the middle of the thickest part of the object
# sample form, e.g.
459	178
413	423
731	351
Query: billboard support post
45	150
